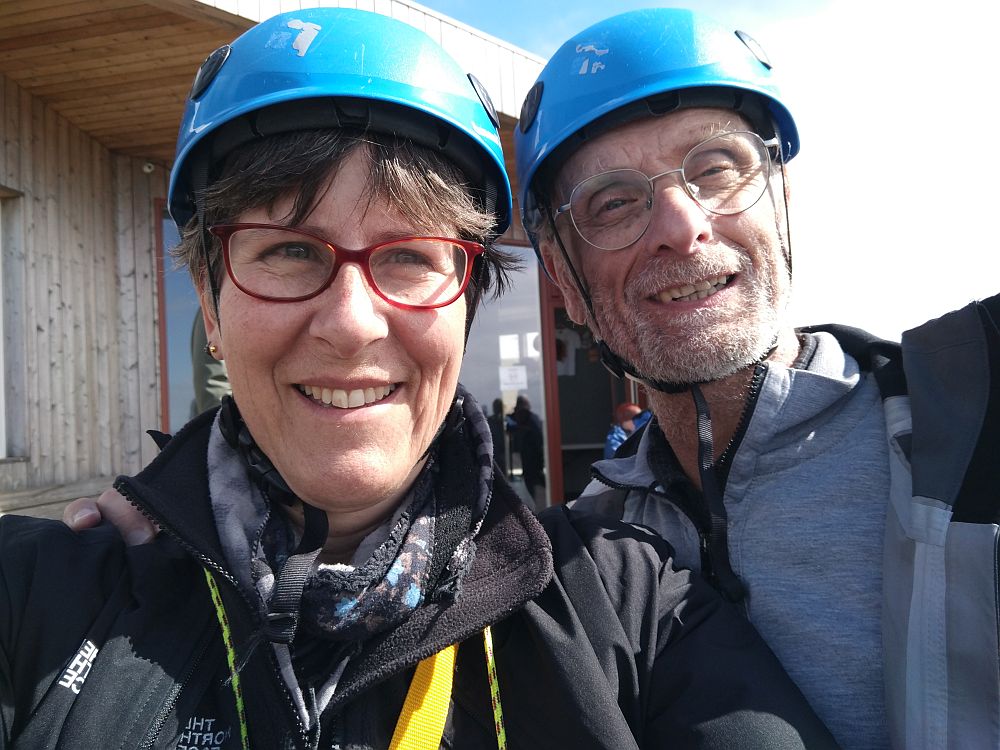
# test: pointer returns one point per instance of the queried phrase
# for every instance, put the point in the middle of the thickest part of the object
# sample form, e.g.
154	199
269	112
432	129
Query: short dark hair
416	181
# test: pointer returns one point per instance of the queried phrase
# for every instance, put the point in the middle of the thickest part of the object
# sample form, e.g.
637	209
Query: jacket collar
789	397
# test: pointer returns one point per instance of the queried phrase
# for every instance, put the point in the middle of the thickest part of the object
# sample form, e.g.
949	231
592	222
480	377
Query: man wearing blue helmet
338	564
651	155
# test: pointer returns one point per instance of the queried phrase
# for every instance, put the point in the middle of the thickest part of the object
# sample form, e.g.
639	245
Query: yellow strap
421	724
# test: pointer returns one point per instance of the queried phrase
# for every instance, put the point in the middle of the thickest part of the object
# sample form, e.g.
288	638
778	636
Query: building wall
78	260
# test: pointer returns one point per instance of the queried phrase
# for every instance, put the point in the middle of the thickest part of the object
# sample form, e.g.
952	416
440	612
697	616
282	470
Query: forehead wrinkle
622	148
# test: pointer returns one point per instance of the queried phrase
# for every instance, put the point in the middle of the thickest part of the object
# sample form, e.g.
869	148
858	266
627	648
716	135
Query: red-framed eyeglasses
281	264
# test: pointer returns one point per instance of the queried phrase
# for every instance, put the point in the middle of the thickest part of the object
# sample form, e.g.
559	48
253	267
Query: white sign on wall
513	378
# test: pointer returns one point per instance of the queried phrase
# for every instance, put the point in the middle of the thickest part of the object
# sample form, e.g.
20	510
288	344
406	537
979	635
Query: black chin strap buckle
456	415
622	369
280	627
611	361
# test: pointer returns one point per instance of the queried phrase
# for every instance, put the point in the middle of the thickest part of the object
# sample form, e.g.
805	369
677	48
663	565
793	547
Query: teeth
342	399
696	291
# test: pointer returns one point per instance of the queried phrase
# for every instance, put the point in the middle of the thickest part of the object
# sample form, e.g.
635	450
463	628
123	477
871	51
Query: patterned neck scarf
420	554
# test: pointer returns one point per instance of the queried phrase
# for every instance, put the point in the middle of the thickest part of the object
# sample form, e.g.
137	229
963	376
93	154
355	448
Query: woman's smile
342	398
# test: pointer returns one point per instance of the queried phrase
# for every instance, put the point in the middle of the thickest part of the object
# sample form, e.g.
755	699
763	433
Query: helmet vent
530	107
208	70
484	97
754	46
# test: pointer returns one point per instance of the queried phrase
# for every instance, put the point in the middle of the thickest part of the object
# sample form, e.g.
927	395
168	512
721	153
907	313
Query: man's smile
696	290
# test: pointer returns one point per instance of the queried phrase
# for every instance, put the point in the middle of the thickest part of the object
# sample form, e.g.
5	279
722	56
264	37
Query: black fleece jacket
599	642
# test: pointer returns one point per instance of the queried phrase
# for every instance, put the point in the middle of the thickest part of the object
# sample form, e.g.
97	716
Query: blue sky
541	25
895	190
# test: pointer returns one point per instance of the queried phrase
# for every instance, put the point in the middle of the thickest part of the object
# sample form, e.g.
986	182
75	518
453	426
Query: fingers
116	510
81	514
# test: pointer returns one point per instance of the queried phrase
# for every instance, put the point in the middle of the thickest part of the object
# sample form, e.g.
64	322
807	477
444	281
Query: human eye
414	257
278	263
713	168
292	251
410	256
610	202
281	250
615	202
725	161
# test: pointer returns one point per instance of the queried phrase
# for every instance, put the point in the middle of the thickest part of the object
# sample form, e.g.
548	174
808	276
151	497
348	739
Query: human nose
677	221
350	315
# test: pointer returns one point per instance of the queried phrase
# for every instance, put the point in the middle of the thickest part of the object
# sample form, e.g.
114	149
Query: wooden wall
79	300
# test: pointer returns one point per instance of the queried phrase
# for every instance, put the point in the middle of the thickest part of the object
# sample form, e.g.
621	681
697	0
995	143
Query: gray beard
700	346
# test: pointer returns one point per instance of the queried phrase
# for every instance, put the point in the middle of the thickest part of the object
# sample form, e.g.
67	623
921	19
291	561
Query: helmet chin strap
474	300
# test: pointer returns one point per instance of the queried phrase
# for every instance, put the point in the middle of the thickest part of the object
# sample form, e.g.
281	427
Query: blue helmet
337	67
641	63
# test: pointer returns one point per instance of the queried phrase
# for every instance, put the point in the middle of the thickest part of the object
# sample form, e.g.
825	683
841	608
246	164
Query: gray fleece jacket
806	498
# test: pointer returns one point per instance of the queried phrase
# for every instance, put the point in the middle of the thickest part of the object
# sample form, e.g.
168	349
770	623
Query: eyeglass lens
284	264
725	174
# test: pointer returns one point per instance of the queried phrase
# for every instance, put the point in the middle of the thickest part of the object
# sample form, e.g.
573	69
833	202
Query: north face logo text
203	734
79	668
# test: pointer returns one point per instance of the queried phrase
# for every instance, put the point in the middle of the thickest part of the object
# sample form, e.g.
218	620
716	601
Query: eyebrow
377	239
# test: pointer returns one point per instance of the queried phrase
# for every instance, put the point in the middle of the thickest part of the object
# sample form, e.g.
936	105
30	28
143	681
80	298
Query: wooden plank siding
80	300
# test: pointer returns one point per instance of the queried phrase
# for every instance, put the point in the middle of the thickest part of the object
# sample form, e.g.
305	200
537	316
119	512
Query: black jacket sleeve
687	668
46	611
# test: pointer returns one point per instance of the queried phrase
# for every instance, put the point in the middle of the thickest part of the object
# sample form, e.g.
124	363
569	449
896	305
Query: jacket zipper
702	520
123	490
153	733
751	405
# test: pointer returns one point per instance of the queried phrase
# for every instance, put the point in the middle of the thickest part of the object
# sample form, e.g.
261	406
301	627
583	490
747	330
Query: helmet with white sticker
641	63
337	67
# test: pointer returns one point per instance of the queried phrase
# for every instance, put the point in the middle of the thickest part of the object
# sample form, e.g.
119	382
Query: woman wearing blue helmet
338	565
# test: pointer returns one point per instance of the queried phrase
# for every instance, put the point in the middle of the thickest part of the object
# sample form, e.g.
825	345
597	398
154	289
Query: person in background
528	439
651	155
338	562
628	418
498	429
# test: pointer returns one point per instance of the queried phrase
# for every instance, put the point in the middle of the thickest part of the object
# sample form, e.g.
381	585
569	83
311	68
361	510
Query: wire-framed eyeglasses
725	174
281	264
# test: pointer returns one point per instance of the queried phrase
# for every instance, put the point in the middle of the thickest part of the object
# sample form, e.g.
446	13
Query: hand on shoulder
87	512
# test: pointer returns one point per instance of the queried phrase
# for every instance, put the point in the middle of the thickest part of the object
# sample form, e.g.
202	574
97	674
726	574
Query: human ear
212	330
558	270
